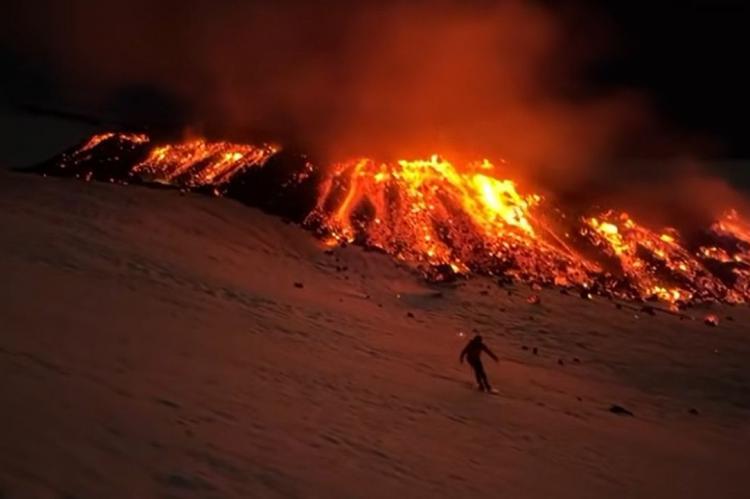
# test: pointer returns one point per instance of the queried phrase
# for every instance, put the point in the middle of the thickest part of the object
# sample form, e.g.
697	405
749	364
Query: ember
711	320
442	219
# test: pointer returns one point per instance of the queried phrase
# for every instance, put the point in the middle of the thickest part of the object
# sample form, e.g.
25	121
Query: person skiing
472	352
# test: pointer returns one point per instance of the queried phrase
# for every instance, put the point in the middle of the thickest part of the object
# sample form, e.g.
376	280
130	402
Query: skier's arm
463	354
489	352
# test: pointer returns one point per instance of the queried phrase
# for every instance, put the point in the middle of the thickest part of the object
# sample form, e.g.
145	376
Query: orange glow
445	219
197	162
95	140
655	263
429	213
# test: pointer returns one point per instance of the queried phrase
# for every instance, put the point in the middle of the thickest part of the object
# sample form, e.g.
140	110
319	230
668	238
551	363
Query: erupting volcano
444	220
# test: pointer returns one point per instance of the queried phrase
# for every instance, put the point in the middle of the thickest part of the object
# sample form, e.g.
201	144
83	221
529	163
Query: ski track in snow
155	345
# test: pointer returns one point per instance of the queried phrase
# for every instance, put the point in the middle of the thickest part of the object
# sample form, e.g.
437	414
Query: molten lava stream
200	163
448	221
430	214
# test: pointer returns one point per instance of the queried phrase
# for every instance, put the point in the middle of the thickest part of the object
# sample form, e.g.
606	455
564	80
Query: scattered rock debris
168	403
504	281
620	410
533	299
711	320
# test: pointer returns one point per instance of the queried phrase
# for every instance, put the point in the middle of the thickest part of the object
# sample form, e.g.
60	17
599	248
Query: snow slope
155	345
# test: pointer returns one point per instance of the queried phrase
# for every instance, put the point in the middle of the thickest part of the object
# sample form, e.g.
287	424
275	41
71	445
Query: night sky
685	60
689	57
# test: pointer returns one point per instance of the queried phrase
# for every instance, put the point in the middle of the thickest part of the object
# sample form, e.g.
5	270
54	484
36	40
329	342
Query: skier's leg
483	375
478	373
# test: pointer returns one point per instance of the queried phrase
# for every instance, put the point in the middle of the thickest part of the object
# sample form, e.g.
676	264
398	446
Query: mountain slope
155	344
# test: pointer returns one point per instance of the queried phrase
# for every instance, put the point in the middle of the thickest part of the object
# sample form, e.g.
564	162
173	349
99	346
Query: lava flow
430	214
443	220
200	163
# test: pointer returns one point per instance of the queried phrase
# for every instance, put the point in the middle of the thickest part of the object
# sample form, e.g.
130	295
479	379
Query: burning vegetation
443	220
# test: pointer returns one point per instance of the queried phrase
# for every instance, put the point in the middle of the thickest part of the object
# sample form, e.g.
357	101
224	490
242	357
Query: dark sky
683	61
690	58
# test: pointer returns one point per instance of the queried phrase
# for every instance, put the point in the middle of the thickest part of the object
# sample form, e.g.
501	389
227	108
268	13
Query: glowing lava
199	163
430	214
444	220
655	263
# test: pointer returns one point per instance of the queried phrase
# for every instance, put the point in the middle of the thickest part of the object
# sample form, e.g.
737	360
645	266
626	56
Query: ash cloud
399	79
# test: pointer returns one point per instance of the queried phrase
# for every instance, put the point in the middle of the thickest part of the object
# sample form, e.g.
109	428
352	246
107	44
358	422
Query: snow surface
154	344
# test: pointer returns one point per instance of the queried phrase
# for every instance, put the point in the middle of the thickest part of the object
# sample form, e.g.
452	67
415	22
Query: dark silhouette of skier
472	352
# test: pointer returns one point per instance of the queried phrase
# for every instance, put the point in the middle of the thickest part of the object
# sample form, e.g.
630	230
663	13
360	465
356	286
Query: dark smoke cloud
399	79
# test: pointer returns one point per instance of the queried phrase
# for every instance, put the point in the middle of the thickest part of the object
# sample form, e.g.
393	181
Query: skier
472	352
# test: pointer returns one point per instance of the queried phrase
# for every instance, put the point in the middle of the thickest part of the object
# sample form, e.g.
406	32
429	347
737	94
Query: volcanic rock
620	410
711	320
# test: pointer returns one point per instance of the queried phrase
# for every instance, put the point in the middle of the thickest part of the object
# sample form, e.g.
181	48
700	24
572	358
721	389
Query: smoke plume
467	79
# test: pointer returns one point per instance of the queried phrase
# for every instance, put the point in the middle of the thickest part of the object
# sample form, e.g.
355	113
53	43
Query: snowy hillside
154	344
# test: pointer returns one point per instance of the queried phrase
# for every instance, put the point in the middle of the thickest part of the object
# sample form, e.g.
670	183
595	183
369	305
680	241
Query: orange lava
429	213
446	221
199	163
